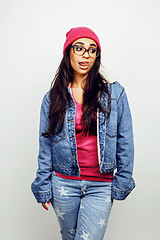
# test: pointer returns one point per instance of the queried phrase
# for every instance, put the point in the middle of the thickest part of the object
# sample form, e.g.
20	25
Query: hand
44	205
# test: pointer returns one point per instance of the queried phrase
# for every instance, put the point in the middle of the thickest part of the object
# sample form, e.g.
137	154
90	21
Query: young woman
85	134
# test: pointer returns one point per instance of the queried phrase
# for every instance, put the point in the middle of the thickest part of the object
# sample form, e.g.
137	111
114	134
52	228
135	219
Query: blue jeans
82	207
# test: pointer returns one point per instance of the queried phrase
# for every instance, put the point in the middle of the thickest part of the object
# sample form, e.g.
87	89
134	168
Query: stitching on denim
120	95
80	216
98	145
111	136
114	109
48	101
120	190
42	193
106	164
62	166
113	98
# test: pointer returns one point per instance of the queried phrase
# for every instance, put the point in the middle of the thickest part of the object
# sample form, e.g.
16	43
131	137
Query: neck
79	80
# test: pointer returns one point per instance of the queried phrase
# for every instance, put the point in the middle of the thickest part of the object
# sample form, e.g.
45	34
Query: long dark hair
60	97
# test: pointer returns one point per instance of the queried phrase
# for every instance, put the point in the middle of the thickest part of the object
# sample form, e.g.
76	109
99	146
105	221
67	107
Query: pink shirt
87	154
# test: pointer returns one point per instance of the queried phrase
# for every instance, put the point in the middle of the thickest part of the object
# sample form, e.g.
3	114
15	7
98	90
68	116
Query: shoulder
45	101
46	97
117	90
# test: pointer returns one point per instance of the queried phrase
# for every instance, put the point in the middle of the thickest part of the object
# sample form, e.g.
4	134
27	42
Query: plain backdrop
32	34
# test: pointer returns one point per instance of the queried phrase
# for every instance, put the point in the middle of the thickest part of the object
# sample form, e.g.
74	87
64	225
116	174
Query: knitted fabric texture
80	32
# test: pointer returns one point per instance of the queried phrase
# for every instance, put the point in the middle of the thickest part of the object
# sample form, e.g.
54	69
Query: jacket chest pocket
58	137
111	123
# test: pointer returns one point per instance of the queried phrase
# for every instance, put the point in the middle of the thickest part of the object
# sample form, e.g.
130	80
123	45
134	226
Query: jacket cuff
118	194
43	197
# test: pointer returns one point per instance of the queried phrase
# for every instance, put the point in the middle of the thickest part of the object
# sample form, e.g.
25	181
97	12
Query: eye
78	48
92	50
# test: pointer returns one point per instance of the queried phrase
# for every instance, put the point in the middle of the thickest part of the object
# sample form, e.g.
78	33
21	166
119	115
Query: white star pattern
63	192
59	214
108	200
72	231
83	189
81	183
85	236
101	222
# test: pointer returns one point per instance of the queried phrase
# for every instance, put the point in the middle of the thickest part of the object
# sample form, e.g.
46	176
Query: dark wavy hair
60	97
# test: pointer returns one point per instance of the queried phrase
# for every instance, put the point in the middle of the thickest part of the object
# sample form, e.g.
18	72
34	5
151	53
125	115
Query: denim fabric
115	146
82	207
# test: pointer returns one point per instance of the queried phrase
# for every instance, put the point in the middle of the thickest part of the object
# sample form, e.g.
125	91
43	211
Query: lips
84	65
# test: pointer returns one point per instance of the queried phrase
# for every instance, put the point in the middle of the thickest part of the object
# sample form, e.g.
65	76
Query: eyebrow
92	44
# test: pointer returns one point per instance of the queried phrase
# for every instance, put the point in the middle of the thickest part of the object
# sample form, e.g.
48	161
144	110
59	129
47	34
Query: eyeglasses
80	51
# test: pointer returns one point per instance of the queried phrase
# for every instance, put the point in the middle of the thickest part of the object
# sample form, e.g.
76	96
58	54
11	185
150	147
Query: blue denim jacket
115	146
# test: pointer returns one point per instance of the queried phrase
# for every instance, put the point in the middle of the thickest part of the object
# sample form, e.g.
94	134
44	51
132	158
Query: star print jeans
82	207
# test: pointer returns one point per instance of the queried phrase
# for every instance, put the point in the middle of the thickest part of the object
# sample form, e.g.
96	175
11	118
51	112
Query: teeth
83	63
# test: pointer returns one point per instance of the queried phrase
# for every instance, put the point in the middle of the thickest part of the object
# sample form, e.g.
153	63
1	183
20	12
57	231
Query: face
82	64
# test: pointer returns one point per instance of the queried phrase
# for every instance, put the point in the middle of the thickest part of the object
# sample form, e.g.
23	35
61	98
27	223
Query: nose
86	54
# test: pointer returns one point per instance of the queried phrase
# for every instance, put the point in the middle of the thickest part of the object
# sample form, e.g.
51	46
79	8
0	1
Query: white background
32	34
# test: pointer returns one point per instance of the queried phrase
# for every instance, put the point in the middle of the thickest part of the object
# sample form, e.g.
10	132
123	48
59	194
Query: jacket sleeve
41	186
123	182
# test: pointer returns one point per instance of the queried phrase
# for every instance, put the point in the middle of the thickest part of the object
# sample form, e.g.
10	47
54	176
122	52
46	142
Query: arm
41	187
123	182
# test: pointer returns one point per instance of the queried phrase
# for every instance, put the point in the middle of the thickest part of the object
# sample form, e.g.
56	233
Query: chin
84	72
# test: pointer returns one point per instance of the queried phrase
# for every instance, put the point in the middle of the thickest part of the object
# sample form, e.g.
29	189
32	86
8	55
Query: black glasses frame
86	50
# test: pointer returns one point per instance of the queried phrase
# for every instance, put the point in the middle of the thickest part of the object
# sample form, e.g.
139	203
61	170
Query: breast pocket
111	123
58	137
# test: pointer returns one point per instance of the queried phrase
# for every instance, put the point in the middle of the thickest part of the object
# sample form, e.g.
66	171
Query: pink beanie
80	32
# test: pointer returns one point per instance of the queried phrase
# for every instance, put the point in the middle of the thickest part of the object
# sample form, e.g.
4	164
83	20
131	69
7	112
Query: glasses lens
79	50
93	52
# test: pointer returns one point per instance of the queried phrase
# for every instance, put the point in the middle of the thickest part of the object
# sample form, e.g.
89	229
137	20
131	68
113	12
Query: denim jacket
114	139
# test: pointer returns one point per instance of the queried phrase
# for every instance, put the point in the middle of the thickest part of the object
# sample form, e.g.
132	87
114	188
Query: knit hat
80	32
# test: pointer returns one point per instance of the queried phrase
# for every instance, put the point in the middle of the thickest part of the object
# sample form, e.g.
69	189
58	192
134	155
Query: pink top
87	154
